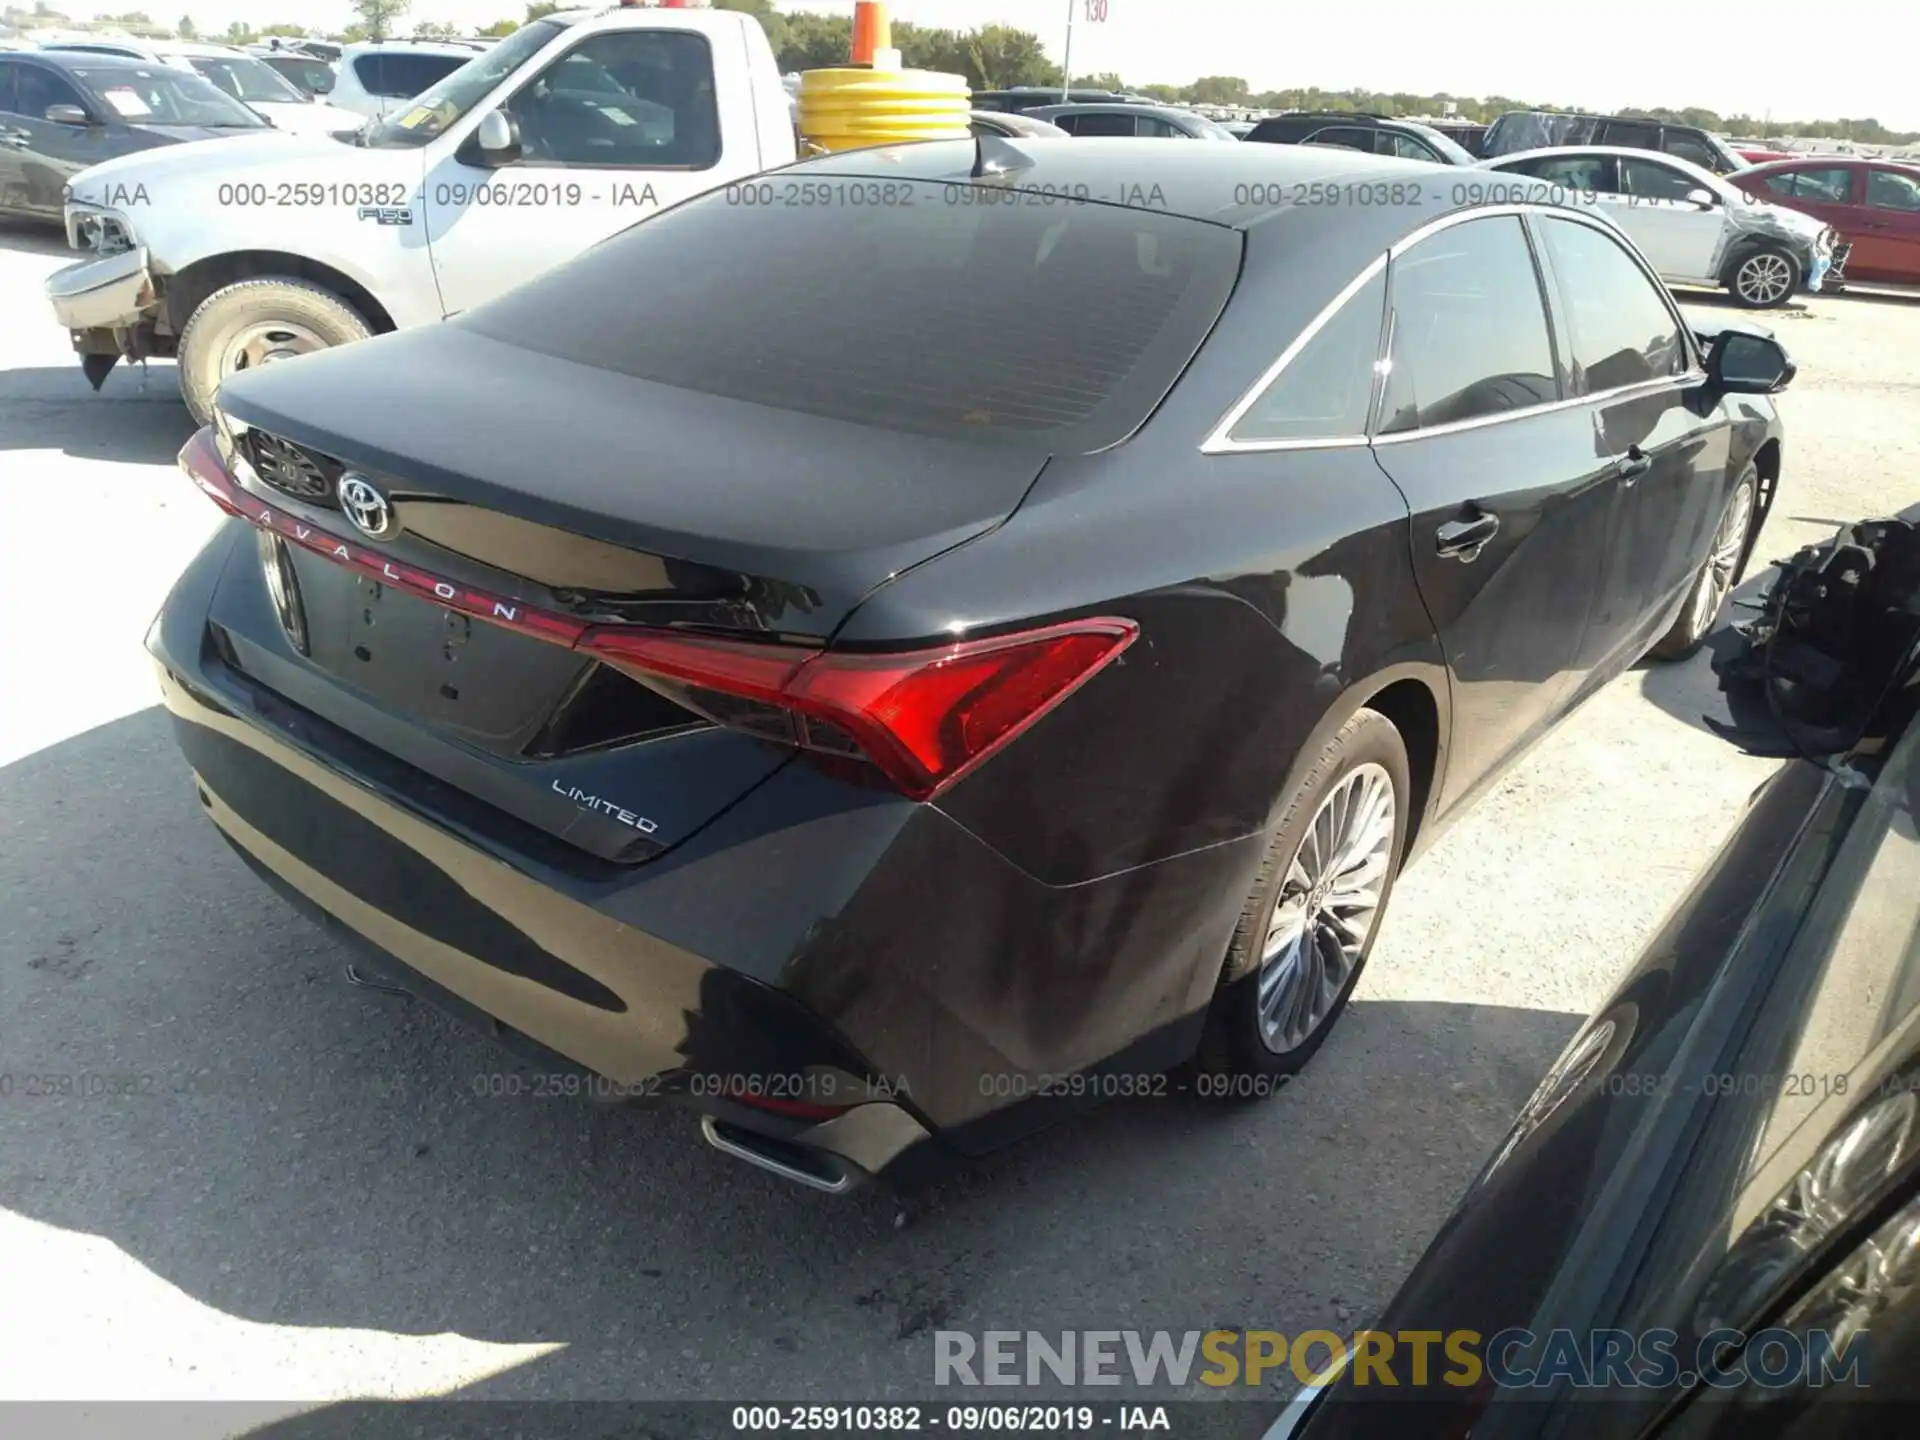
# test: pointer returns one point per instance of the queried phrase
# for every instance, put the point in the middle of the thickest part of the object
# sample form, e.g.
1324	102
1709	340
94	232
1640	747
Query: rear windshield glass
909	305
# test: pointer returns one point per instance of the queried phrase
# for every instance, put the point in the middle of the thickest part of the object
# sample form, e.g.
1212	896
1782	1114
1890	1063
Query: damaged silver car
1695	228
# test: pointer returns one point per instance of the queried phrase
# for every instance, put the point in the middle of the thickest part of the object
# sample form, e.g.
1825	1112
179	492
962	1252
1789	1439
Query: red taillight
924	717
200	458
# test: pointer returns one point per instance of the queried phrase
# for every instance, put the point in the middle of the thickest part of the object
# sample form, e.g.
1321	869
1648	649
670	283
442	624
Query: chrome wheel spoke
1716	578
1326	908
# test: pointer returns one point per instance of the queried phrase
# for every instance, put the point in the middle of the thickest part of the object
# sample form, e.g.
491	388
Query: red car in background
1874	204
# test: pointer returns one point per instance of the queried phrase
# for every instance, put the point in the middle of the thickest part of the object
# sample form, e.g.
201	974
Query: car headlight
105	232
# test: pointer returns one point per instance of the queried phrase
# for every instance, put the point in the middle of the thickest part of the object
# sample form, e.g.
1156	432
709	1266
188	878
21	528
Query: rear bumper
699	1034
848	974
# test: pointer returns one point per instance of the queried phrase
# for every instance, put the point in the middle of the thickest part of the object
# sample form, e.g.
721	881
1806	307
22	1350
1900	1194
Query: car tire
1764	278
1279	996
1723	568
255	322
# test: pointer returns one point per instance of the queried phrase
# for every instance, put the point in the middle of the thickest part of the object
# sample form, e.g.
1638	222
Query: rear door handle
1463	540
1632	465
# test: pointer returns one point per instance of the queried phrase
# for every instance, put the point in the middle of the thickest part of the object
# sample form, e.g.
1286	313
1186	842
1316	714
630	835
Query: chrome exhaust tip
816	1169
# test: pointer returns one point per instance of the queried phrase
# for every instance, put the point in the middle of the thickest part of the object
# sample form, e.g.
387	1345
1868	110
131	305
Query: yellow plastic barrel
853	108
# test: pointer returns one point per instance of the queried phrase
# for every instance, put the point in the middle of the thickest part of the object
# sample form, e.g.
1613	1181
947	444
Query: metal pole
1066	60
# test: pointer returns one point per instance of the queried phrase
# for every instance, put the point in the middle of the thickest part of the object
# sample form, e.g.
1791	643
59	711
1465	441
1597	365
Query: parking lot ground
307	1198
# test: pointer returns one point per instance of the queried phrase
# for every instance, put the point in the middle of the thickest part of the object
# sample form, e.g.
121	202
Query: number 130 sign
1096	11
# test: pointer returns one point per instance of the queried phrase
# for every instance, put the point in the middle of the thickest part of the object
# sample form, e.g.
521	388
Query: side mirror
498	138
1702	197
68	115
322	85
1743	362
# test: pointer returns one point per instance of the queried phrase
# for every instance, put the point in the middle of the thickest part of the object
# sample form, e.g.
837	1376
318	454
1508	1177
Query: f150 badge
387	214
605	807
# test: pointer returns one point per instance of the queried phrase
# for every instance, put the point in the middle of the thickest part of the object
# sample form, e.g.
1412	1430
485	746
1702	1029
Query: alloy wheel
1723	560
1764	279
1327	906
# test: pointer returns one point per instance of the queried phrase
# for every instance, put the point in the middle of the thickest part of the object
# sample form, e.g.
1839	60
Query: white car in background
378	78
1694	228
247	78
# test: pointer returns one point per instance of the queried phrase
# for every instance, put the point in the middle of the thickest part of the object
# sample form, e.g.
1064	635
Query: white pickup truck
234	253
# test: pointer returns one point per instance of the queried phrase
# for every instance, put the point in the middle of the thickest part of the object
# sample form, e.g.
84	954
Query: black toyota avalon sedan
890	668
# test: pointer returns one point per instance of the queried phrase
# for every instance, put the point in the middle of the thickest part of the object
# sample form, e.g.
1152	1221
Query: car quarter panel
1272	588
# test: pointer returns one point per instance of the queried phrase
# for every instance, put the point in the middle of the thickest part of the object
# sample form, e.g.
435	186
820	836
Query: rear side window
1097	124
400	76
9	92
1279	132
1830	184
900	305
1324	391
1620	329
1469	328
1345	137
1650	180
1890	190
1633	134
1690	147
1575	172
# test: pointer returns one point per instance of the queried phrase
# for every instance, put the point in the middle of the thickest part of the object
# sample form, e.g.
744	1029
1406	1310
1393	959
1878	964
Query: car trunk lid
530	499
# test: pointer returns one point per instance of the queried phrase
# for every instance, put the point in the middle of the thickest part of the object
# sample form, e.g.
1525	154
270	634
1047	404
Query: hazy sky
1729	55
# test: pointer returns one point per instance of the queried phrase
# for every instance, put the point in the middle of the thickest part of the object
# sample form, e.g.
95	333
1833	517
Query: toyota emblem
365	506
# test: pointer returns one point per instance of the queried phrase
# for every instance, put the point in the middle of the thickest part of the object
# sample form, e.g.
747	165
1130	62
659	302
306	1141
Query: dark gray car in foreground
1705	1225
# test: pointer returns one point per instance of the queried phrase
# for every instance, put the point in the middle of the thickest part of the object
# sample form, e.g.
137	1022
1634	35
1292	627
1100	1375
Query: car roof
1106	107
198	48
1811	160
1604	115
1237	186
1622	152
84	60
1350	117
409	47
1016	118
95	47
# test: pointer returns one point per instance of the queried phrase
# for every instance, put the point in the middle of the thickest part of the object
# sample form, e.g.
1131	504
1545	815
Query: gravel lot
314	1204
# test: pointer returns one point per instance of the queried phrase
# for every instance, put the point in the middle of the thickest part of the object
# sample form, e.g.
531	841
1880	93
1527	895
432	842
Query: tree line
998	57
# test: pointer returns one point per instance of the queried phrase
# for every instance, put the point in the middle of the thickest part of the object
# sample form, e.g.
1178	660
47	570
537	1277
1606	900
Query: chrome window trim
1220	442
1613	396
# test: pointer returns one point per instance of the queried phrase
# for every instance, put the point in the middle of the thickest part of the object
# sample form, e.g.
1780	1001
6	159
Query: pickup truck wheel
256	322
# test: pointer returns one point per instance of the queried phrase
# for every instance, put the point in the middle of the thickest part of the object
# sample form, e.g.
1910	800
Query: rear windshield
401	75
930	308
